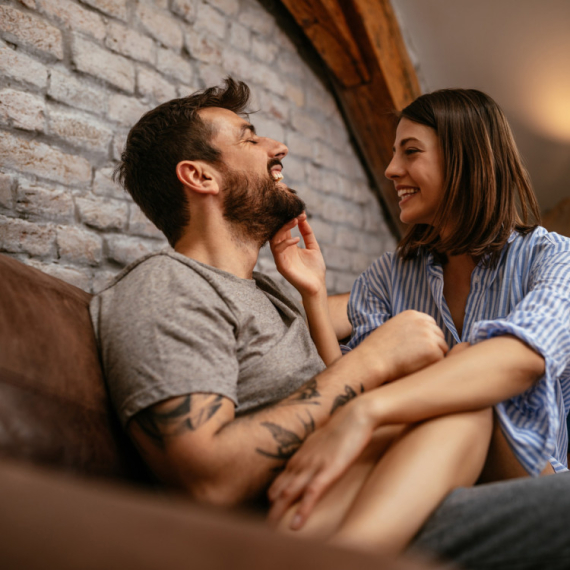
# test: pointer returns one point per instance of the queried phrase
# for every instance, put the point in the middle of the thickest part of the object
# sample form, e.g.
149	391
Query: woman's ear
198	176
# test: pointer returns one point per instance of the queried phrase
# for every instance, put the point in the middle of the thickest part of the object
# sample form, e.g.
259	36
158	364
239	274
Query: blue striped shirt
527	295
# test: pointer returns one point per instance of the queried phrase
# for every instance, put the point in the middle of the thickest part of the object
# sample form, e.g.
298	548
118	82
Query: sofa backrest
54	408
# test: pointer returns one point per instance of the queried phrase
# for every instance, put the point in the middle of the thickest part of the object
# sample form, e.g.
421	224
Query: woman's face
417	172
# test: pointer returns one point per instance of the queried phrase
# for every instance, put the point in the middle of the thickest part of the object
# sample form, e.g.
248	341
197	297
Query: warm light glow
545	100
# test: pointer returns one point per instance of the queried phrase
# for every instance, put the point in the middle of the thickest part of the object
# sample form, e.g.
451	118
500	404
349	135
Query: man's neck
221	248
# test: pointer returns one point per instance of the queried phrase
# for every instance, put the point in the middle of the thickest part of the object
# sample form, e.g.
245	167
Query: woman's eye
251	141
411	151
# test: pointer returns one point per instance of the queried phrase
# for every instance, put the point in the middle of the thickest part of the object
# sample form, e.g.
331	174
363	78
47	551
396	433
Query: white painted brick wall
75	75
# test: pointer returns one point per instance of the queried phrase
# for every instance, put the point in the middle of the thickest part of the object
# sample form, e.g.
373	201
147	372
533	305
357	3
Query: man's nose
276	149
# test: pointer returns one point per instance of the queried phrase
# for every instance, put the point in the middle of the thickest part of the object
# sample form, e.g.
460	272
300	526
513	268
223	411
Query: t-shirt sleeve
369	303
541	320
165	334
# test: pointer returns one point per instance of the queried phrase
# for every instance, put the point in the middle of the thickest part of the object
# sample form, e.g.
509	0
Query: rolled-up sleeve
532	420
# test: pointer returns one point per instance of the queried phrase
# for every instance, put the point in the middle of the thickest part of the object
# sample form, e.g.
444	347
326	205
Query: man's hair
163	137
486	190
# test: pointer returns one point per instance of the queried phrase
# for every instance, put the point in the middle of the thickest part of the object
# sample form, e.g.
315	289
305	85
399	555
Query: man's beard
257	207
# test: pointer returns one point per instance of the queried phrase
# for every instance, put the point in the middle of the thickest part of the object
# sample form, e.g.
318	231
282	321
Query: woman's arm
305	269
475	378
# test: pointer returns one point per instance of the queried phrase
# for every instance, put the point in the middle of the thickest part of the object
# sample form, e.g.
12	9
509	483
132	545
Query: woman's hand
304	268
322	459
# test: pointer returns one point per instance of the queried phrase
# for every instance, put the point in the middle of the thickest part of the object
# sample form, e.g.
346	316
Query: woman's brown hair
487	191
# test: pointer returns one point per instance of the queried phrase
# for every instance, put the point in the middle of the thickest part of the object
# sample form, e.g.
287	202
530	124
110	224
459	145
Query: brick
140	225
31	32
103	184
102	279
324	232
371	245
211	74
266	76
103	214
306	124
20	236
204	47
67	88
73	276
80	131
354	216
319	99
324	155
230	7
153	85
295	94
119	141
93	60
42	160
264	50
79	246
283	41
126	110
314	176
338	137
273	105
359	262
73	16
38	203
161	27
211	21
257	19
130	43
240	37
336	257
6	191
125	249
240	65
185	8
291	65
299	145
336	210
314	200
347	238
362	194
22	68
175	66
293	170
31	4
116	8
22	110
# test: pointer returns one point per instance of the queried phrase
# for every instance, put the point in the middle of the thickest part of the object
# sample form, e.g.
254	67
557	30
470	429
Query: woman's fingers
286	492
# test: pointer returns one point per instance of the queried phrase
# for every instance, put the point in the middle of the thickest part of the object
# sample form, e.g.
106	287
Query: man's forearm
480	376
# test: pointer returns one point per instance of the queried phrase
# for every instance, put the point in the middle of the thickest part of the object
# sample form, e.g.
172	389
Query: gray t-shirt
168	326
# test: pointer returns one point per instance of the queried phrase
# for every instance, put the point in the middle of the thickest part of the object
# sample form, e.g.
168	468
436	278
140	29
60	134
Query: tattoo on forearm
288	442
186	414
307	395
342	399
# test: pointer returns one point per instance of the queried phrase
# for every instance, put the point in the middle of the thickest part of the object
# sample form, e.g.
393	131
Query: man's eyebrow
246	127
404	141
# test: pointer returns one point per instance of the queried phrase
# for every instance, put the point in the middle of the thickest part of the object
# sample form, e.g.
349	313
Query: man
210	366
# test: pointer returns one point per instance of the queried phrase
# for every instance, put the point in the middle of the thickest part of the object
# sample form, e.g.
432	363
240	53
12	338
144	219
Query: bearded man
210	366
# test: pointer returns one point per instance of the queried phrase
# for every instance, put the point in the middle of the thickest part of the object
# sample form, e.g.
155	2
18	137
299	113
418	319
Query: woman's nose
393	170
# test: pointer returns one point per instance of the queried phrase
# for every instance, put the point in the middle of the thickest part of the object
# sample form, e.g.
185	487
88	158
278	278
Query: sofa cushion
54	407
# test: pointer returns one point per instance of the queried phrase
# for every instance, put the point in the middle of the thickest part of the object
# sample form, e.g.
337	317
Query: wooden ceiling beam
361	43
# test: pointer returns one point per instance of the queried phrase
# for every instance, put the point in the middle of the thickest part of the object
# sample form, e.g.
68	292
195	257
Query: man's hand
303	268
406	343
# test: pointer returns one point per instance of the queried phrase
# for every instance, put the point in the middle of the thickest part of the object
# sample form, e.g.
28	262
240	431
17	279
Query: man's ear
198	176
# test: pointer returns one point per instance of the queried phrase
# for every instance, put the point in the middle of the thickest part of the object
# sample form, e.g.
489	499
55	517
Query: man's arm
195	442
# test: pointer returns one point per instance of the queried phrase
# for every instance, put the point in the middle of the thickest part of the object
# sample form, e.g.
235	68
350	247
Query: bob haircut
487	191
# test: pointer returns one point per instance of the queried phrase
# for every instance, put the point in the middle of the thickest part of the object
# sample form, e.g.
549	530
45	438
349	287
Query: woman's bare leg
332	508
412	477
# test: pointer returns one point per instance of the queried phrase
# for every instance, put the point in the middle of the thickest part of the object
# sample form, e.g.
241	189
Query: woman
497	285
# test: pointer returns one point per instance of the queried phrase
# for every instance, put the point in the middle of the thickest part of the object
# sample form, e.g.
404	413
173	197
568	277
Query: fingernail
296	521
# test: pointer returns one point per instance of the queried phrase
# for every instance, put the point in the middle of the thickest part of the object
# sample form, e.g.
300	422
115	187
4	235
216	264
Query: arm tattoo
288	442
342	399
306	395
187	414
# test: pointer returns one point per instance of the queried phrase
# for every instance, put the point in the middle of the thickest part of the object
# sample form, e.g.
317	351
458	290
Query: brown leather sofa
73	492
